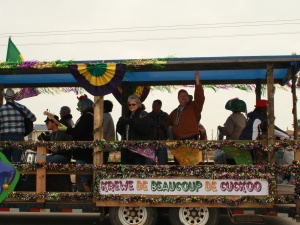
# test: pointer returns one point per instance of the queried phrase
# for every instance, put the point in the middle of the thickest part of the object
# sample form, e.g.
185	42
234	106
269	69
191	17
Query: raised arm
198	96
197	78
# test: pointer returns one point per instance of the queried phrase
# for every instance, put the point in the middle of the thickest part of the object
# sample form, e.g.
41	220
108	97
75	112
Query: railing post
41	172
98	128
271	126
98	133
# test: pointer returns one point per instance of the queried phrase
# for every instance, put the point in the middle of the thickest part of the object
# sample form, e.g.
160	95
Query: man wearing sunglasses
58	155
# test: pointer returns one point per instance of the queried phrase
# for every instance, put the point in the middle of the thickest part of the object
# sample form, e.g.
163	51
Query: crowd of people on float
183	123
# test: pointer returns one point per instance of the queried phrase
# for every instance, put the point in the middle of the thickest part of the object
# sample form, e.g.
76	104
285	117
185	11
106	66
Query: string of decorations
27	92
219	171
131	65
189	199
134	64
237	172
87	196
52	196
119	145
34	64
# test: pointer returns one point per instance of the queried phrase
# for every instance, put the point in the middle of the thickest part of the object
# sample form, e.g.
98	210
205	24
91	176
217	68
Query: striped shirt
11	121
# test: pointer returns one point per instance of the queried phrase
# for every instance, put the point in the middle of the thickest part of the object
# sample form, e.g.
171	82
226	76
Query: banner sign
205	187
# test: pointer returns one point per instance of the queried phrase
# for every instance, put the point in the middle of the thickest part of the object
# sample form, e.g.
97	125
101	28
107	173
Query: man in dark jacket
83	131
256	127
58	155
257	123
159	120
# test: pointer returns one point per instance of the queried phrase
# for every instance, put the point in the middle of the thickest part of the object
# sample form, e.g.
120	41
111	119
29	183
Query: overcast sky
100	30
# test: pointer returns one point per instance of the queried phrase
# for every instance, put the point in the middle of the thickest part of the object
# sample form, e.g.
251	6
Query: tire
132	215
195	216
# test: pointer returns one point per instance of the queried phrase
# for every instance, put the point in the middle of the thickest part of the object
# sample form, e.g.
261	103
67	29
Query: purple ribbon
146	151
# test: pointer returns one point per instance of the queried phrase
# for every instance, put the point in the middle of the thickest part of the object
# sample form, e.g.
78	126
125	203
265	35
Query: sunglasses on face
131	104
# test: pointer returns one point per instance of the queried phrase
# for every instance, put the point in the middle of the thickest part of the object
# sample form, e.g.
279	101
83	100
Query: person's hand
197	77
62	127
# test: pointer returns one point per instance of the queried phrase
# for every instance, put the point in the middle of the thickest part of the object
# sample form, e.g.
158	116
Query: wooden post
98	133
258	90
294	110
98	128
41	172
271	126
295	119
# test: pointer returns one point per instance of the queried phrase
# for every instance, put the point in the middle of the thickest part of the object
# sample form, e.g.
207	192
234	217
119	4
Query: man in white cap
12	126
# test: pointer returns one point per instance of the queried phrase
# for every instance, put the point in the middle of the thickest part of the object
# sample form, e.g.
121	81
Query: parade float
195	192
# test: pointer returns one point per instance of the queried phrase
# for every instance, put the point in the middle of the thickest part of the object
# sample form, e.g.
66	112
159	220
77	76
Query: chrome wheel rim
132	215
196	216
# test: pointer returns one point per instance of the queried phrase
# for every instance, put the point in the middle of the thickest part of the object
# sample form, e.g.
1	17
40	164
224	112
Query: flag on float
13	54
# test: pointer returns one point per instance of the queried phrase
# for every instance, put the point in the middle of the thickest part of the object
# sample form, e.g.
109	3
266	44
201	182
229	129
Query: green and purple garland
240	172
119	145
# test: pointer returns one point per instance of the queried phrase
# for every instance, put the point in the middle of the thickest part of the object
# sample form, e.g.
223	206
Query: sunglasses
131	104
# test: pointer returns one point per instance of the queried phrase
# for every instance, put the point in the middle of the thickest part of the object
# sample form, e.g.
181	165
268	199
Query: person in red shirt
186	117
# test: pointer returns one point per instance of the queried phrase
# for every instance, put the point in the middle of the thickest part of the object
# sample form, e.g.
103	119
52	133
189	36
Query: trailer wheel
132	215
195	216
